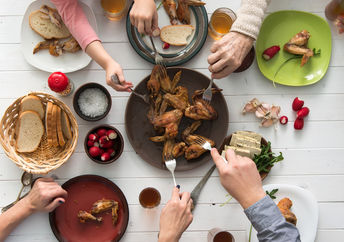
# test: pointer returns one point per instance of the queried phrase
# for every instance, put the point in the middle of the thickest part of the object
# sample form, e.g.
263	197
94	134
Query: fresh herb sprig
266	159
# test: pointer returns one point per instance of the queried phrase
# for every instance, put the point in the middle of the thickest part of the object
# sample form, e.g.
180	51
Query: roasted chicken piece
178	149
183	12
298	46
55	48
180	100
201	110
167	150
195	150
85	216
284	206
192	128
51	14
170	121
153	84
71	45
102	206
175	81
43	45
114	213
170	8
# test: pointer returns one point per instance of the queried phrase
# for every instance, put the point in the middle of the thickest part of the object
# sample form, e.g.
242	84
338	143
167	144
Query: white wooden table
314	157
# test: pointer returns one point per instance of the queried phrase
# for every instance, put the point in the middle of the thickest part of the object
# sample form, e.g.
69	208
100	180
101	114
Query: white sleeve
250	17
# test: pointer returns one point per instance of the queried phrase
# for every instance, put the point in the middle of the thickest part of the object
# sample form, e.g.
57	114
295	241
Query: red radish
90	143
271	52
303	112
92	137
297	104
166	46
109	144
105	157
102	151
103	141
111	152
96	144
101	132
284	120
298	124
111	134
58	82
94	151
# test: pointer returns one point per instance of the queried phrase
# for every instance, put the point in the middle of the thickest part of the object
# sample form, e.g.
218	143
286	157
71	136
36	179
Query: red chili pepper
271	52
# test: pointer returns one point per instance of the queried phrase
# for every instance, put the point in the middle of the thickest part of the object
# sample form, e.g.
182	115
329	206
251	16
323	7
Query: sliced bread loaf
42	25
66	129
29	132
60	137
48	122
176	34
54	126
32	103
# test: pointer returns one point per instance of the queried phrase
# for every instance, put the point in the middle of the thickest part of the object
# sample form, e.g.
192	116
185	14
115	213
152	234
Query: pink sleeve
74	18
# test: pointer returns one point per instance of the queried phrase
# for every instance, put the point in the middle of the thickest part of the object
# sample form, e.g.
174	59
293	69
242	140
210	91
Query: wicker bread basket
45	158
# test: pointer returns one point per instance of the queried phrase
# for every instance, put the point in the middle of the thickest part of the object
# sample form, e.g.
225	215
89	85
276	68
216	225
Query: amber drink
221	22
114	9
149	197
220	235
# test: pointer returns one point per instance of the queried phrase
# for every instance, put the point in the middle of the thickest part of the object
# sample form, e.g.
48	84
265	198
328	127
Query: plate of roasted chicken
298	206
46	42
184	29
294	48
95	210
171	125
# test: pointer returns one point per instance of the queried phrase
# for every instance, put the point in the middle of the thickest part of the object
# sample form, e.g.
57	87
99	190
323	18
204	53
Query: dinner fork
207	94
144	97
170	163
206	145
159	60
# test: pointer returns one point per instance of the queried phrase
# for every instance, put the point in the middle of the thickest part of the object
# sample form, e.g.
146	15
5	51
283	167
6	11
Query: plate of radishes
104	144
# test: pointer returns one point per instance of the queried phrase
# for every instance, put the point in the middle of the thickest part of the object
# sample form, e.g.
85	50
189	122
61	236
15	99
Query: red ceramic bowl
118	146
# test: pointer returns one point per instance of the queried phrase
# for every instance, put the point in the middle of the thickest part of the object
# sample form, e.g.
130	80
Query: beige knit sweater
250	17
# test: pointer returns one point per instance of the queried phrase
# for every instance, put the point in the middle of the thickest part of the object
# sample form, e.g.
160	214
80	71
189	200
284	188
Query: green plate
277	29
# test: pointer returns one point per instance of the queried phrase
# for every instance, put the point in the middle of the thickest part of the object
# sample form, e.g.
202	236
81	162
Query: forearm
250	17
13	217
269	222
97	52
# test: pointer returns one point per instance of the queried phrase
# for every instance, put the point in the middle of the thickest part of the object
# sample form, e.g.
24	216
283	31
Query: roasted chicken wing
71	45
55	48
284	206
180	100
43	45
195	150
170	8
153	84
102	206
178	149
183	12
170	121
298	46
85	216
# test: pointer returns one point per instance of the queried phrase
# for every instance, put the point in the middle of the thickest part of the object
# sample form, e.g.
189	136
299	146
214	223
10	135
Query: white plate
67	62
305	207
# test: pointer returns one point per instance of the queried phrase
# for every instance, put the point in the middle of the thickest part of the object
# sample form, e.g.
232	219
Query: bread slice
30	131
60	137
54	126
176	34
32	103
48	122
42	25
66	129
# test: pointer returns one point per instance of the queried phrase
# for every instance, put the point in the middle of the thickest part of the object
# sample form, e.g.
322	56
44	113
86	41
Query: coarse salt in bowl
92	101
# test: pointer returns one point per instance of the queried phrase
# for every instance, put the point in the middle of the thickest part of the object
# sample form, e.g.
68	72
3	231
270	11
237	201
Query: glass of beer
114	9
149	197
220	235
221	22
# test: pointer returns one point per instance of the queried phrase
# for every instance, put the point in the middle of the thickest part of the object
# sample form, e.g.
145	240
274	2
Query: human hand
228	53
175	217
113	68
45	195
239	177
144	17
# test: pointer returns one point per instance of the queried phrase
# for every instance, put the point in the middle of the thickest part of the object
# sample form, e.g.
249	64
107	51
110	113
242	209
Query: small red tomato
297	104
111	134
105	157
94	151
298	124
166	46
101	132
90	143
303	112
284	120
93	137
111	152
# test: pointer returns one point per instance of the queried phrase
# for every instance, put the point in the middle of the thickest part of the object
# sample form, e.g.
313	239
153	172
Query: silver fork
207	94
170	163
144	97
159	60
206	145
